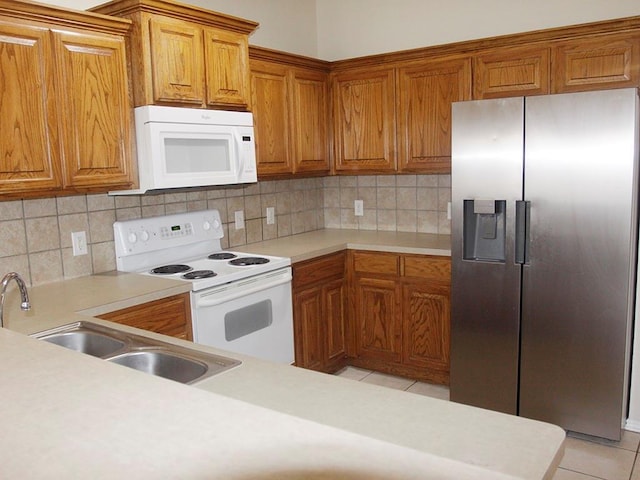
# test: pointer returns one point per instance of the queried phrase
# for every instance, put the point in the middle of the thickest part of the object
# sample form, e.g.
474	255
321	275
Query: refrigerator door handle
523	208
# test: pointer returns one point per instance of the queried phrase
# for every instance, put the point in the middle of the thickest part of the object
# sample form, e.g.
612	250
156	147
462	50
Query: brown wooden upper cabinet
27	158
310	118
185	55
426	92
611	61
94	101
65	99
511	71
364	120
290	103
577	64
272	118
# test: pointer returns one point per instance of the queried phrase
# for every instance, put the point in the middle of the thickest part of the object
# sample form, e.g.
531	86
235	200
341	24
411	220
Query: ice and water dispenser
484	230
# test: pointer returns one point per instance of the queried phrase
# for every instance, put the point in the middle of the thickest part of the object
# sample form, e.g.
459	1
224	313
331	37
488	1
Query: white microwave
189	147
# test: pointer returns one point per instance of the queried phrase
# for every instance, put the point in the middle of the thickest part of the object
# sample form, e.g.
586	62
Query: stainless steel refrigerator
544	225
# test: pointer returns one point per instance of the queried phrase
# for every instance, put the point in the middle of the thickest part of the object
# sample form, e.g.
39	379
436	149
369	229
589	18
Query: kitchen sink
163	359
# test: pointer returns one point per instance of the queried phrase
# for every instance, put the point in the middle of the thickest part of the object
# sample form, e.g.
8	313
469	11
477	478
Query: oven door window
246	320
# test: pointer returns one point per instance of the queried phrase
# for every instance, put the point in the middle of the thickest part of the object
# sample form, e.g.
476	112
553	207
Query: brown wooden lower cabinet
425	328
319	287
382	311
377	321
399	314
169	316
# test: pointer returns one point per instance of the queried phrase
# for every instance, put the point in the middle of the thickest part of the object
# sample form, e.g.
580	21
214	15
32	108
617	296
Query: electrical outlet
271	215
239	219
79	243
448	210
358	206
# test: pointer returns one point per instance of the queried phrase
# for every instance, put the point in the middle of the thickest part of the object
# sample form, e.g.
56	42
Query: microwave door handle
238	139
200	302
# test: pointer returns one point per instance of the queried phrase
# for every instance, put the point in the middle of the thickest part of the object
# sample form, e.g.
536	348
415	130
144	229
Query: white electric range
239	302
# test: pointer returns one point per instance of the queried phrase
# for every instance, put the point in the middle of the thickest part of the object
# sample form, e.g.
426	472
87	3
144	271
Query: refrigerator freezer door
580	171
487	155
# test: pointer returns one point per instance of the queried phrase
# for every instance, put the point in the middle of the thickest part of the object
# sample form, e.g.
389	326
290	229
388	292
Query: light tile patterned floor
585	458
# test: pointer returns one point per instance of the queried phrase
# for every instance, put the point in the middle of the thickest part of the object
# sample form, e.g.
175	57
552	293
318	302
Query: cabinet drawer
435	268
385	263
169	316
318	269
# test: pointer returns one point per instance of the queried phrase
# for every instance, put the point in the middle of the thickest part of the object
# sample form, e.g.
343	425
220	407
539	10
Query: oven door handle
242	292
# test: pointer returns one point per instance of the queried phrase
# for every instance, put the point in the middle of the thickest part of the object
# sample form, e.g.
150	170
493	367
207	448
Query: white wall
338	29
288	25
353	28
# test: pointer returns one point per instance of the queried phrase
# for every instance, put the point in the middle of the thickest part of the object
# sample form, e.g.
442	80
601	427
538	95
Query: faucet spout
24	295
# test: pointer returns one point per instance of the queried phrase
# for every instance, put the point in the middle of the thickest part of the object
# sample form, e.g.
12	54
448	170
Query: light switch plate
358	206
79	243
271	215
239	214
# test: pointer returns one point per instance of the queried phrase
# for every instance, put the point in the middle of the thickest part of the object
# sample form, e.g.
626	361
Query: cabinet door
334	321
378	320
426	326
177	62
598	63
426	92
271	117
319	312
510	72
95	110
364	121
227	69
29	150
309	340
169	316
309	125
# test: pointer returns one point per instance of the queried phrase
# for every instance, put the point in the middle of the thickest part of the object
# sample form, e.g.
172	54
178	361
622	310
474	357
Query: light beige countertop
65	414
305	246
68	415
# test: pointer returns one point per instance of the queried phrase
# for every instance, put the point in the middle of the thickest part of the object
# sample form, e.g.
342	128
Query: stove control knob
216	224
133	238
206	226
144	236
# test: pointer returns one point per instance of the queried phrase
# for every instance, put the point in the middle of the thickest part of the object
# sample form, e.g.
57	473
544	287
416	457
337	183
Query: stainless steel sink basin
163	359
85	341
163	364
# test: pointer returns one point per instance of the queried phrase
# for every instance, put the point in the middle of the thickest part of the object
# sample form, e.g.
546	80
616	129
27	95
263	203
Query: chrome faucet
25	305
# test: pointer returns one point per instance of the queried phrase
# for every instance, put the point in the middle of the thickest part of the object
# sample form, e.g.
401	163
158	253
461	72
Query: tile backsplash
403	203
35	234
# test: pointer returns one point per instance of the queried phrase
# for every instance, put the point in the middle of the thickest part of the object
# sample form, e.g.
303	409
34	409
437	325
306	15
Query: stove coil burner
222	256
198	274
171	269
248	261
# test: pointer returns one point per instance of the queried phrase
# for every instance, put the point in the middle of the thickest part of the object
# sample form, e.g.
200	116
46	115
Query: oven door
253	316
